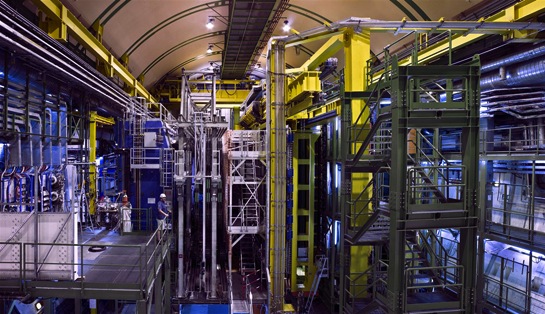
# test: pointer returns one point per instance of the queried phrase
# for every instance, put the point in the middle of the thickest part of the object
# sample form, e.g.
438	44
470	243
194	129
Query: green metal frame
407	112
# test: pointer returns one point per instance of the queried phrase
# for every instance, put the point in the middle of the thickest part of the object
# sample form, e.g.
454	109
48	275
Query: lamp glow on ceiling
286	26
210	23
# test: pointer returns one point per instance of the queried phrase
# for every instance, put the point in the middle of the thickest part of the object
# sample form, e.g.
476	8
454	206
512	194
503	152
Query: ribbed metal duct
516	58
531	73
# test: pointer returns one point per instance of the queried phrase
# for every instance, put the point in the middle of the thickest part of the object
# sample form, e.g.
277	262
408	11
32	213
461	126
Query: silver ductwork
530	73
512	59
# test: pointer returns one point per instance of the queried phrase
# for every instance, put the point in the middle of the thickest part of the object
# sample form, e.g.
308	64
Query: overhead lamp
209	50
38	305
211	66
257	66
286	26
210	23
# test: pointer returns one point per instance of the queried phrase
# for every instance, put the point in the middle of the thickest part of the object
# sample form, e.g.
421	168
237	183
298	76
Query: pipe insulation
530	73
515	58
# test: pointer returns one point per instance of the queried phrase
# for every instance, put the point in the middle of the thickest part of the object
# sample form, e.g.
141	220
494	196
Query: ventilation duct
524	56
531	73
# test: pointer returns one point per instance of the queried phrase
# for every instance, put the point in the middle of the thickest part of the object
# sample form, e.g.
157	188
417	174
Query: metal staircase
321	272
413	273
247	256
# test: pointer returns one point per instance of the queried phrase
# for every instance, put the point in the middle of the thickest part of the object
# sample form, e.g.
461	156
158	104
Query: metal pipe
524	74
514	58
214	204
203	180
183	95
213	99
82	75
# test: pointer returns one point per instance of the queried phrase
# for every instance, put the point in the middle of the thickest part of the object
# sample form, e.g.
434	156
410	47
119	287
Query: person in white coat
126	213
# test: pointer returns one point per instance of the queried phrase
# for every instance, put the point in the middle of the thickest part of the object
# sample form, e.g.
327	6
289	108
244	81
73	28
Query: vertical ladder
167	167
320	273
137	150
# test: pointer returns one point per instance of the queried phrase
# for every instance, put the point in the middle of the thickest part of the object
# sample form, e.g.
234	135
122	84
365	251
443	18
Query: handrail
458	285
151	255
441	247
373	198
433	147
373	269
372	131
367	102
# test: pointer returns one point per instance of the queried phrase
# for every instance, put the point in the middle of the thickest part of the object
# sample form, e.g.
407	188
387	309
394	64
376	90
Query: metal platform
115	268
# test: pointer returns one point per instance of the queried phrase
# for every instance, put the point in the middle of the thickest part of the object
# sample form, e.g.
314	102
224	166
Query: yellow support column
92	161
276	131
357	52
236	118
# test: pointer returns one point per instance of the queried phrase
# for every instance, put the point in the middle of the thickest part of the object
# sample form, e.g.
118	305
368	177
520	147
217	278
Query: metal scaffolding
197	174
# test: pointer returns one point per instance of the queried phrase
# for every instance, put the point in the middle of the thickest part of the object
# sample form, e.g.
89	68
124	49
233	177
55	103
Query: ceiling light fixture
210	23
257	66
209	50
211	67
286	26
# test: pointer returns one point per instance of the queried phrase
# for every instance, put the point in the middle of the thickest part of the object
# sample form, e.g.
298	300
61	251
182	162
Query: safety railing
437	254
140	221
435	184
510	298
414	285
359	285
246	142
399	49
145	158
425	95
134	273
511	215
427	149
362	126
523	140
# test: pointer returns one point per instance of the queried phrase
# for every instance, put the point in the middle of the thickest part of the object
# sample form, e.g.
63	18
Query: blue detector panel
204	309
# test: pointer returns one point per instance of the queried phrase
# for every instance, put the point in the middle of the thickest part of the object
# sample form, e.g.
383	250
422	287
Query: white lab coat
126	214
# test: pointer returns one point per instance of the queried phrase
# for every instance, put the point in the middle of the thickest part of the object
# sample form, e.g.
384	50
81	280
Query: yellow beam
305	83
103	120
56	11
519	12
224	98
310	113
334	44
357	51
92	159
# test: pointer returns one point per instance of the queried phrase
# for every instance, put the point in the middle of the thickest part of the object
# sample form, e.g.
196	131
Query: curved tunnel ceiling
162	36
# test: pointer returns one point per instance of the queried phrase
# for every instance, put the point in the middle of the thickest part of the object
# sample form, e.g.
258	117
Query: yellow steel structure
236	118
224	98
277	182
92	161
303	269
303	84
521	11
333	44
356	48
62	21
357	51
94	119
